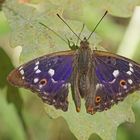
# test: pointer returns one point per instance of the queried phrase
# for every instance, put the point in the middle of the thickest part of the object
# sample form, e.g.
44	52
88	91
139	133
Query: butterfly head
84	43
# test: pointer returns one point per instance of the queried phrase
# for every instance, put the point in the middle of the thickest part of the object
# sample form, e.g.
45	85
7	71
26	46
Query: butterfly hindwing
48	75
116	78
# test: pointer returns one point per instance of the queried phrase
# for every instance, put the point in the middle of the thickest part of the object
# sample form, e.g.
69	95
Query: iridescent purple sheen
110	90
62	66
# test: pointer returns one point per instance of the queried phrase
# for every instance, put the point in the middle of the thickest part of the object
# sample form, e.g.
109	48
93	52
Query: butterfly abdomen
83	85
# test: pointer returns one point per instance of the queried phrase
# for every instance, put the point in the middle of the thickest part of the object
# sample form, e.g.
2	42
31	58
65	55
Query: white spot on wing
37	63
115	73
99	86
105	103
51	72
130	81
120	94
111	82
130	65
131	69
54	80
36	67
129	72
38	71
22	72
36	80
40	86
125	87
112	101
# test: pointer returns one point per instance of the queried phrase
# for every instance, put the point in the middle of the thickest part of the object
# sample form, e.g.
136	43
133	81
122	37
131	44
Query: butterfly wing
48	75
116	78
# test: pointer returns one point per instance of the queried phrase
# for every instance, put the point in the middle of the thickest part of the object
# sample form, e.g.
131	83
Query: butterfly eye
122	83
43	82
98	99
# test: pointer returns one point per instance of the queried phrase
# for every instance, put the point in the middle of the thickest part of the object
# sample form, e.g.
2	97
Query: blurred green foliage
22	113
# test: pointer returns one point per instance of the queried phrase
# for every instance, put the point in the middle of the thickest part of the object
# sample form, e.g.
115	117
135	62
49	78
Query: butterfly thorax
84	56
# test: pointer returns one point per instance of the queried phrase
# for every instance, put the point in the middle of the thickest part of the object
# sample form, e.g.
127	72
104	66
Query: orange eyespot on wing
98	99
122	83
43	82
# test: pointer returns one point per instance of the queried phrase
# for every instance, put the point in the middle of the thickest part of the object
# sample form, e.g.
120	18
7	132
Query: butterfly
101	78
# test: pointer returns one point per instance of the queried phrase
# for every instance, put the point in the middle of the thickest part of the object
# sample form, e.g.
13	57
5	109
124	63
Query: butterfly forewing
116	78
49	76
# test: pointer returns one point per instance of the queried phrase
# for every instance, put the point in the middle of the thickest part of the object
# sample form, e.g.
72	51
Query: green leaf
104	123
121	8
36	40
10	119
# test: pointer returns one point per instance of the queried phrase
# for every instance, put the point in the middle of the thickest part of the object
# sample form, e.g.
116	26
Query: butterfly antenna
53	32
97	25
68	26
80	33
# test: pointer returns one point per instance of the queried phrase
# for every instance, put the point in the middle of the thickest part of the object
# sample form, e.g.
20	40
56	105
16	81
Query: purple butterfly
101	78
